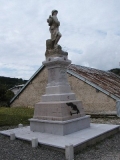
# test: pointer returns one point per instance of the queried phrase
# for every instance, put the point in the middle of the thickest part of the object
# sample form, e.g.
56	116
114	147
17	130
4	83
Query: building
16	88
98	90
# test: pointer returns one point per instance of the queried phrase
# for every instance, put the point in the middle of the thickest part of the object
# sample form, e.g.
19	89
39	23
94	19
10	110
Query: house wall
32	93
93	101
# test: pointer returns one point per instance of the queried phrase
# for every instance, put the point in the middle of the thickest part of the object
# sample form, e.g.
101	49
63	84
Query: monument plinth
58	112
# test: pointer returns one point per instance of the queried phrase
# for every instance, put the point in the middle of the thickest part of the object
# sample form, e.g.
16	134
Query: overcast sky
90	34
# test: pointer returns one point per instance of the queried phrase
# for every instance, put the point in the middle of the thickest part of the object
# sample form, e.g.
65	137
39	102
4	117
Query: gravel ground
109	149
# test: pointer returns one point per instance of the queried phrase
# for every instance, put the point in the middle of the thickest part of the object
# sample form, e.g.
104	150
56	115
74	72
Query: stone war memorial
59	112
59	120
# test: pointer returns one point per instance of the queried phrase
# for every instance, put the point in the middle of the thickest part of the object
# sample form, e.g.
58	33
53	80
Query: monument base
81	139
59	127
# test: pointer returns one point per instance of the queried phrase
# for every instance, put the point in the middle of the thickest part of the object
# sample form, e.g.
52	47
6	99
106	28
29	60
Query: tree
9	95
5	96
116	71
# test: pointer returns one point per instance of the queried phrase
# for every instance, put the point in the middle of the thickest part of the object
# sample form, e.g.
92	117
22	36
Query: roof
16	86
104	81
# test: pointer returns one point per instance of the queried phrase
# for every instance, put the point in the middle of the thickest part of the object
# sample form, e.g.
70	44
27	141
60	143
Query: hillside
116	71
11	82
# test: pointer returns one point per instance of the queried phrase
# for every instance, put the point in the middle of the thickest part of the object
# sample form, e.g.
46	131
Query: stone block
69	152
20	125
65	88
59	127
12	136
58	97
59	111
34	142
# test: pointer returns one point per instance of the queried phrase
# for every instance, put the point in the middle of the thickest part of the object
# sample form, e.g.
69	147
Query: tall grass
15	116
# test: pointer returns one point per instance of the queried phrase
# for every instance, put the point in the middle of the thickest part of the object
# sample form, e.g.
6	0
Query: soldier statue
54	28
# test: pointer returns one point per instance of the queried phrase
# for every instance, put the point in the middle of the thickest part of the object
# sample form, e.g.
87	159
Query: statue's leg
49	44
57	39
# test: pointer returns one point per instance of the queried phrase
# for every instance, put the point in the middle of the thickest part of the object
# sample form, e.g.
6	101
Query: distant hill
116	71
11	82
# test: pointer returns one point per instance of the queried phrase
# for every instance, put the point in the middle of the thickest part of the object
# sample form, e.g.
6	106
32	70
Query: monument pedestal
58	112
60	127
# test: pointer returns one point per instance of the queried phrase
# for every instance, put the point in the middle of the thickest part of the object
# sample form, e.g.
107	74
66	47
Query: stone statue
54	28
52	47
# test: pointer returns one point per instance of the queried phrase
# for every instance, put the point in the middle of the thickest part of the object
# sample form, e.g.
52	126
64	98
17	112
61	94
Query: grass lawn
15	116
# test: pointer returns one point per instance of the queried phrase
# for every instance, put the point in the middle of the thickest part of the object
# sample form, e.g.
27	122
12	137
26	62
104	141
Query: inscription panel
52	75
62	76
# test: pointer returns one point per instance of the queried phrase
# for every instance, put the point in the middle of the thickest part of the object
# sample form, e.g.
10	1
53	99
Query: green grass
15	116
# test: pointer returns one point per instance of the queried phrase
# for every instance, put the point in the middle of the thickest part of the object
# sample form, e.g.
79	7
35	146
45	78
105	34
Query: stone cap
56	53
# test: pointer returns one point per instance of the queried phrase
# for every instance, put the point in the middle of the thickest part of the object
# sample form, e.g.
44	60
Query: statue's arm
56	20
49	20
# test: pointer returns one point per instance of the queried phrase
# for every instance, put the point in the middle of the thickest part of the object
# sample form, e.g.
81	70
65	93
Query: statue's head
54	11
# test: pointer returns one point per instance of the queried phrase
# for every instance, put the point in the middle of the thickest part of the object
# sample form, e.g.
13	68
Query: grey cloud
91	27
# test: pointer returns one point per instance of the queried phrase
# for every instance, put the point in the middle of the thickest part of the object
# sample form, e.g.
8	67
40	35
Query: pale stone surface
93	102
33	92
77	138
34	142
52	47
57	110
55	52
58	97
118	108
60	127
20	125
54	27
12	136
64	88
69	152
57	71
58	88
